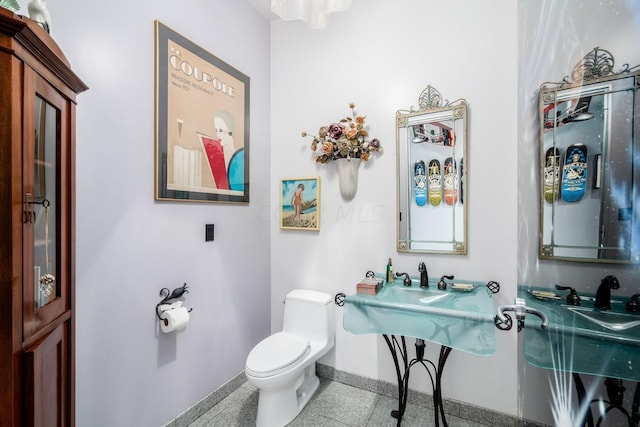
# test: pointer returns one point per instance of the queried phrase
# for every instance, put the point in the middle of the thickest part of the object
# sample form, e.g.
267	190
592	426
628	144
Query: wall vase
348	177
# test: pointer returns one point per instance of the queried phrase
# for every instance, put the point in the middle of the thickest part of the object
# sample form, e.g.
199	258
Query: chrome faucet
603	294
520	309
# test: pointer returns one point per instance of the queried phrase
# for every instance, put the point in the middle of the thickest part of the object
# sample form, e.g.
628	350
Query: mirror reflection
431	147
588	157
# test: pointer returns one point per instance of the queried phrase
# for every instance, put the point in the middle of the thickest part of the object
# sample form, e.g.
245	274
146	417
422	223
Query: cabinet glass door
47	205
44	203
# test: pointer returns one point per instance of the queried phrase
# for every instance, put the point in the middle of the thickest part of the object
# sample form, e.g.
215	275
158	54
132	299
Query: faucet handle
633	305
407	280
573	298
442	285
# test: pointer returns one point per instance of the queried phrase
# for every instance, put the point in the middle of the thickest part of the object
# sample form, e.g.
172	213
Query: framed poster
300	204
202	124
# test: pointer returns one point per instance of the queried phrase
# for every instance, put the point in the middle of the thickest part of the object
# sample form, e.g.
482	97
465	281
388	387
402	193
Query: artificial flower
344	139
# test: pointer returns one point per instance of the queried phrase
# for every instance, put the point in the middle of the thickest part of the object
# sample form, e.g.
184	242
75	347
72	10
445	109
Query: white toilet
283	365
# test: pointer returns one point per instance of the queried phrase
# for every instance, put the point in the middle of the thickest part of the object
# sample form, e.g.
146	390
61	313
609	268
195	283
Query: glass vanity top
459	318
582	339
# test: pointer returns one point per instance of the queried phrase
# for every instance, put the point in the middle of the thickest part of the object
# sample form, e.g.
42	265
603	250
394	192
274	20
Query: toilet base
279	407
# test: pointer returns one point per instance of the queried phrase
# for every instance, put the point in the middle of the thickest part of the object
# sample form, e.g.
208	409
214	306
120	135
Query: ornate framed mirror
589	163
431	180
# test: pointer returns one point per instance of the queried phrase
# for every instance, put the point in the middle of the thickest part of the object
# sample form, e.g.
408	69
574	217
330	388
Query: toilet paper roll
175	319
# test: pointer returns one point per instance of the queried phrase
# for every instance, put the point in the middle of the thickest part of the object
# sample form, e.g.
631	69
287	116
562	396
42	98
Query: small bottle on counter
390	276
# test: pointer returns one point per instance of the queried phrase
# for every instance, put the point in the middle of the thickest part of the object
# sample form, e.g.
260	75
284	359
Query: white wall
380	55
130	246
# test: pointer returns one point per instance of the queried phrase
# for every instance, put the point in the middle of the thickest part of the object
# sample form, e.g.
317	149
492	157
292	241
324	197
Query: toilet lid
276	352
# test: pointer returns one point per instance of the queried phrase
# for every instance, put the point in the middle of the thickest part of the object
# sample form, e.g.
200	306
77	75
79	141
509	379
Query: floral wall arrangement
347	143
345	139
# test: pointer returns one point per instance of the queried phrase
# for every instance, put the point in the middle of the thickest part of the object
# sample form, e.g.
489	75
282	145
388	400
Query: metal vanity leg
635	408
437	395
582	398
402	375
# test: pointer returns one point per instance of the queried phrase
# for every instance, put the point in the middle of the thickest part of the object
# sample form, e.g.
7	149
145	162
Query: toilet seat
276	353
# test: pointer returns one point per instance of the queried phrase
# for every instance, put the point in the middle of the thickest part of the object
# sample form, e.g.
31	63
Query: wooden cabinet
37	202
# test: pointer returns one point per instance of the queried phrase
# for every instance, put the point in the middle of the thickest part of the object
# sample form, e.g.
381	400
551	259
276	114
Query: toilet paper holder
168	297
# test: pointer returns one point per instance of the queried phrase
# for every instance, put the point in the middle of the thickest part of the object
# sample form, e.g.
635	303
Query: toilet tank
309	313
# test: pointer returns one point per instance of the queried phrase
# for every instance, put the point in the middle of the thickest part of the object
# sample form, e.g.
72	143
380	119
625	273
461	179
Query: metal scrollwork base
398	349
615	395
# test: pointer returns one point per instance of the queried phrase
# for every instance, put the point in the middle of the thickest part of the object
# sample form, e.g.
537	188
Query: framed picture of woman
202	124
300	204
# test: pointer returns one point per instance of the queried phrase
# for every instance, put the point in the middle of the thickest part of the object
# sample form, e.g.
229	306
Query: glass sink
460	320
607	319
583	339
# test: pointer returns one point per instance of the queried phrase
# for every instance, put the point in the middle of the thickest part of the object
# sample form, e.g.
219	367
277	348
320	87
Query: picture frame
202	124
302	194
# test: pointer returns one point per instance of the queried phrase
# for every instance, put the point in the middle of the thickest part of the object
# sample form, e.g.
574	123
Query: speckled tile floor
333	405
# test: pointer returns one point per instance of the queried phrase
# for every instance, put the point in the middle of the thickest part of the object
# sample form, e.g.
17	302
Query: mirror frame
431	104
596	68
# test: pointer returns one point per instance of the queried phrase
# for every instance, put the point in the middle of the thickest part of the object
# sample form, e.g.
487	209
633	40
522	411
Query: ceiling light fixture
315	13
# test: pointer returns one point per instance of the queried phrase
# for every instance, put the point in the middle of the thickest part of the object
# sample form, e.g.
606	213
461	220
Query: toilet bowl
283	365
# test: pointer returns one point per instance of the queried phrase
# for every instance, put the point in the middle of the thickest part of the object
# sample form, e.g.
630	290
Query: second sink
606	319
